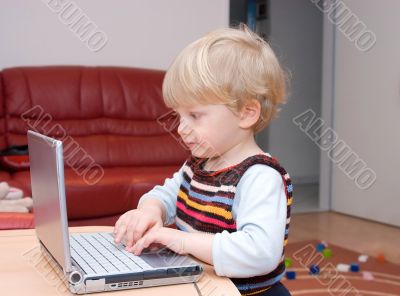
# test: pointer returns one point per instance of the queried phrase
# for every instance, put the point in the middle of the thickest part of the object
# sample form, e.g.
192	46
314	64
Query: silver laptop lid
48	193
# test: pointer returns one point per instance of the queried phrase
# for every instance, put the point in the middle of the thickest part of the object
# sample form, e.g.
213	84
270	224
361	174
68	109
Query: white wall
296	36
140	33
366	112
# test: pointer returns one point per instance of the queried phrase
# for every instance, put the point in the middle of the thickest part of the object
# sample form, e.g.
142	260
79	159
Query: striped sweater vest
204	204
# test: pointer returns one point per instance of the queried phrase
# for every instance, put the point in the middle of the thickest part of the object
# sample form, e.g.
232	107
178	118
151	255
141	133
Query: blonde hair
229	66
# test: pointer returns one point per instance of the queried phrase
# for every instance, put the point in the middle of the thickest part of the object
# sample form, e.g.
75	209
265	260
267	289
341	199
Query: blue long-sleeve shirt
259	209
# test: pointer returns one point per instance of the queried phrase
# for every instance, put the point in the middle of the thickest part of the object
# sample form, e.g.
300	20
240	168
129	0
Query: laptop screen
48	193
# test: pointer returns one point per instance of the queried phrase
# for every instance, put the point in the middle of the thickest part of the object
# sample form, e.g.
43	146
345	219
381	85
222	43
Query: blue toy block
320	247
354	267
291	275
314	269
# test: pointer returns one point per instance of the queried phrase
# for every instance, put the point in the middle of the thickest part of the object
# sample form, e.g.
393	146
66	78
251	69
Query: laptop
91	262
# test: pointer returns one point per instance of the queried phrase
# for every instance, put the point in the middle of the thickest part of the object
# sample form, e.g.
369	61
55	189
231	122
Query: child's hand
132	225
173	239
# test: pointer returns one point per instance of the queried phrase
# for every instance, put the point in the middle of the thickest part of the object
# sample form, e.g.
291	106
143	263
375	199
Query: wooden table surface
24	270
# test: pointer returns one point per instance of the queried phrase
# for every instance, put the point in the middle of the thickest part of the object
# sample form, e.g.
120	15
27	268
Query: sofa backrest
106	114
2	117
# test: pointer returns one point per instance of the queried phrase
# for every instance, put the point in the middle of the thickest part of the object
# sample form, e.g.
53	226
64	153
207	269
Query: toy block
291	275
354	267
320	247
381	258
343	267
288	262
363	258
314	269
327	253
368	276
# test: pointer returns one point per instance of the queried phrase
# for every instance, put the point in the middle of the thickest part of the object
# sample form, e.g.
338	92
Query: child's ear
249	114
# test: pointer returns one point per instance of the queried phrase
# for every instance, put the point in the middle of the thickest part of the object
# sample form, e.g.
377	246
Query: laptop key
98	252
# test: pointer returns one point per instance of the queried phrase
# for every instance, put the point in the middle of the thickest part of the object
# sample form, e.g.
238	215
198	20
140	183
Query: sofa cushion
4	176
16	221
2	117
14	162
117	192
107	221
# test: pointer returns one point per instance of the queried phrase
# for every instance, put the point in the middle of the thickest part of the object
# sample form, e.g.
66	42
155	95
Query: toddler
230	200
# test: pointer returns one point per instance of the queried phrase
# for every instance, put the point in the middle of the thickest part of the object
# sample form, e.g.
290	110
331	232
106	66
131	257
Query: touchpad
166	258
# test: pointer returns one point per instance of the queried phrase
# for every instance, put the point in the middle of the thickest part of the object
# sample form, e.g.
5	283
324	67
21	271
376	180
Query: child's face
209	130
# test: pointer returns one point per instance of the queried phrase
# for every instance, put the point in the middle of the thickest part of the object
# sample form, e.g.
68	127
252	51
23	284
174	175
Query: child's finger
144	242
130	233
155	247
118	224
141	227
119	233
115	229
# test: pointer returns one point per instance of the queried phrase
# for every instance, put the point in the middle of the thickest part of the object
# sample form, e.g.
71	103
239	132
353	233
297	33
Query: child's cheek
199	151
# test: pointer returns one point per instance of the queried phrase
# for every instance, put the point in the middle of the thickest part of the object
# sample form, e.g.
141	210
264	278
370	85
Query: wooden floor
360	235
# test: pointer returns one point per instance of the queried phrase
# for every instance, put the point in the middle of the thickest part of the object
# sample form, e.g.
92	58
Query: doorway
294	29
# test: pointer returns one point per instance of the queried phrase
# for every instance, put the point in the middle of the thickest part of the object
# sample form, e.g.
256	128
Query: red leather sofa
119	138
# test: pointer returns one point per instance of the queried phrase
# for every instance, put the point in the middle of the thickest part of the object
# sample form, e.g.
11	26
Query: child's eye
194	115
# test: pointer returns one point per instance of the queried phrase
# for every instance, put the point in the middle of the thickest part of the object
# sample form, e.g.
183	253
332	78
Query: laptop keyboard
96	253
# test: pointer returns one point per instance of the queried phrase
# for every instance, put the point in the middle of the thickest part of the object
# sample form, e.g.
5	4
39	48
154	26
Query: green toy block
288	262
327	253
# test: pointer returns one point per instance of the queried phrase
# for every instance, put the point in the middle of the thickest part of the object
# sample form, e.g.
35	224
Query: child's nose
184	128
